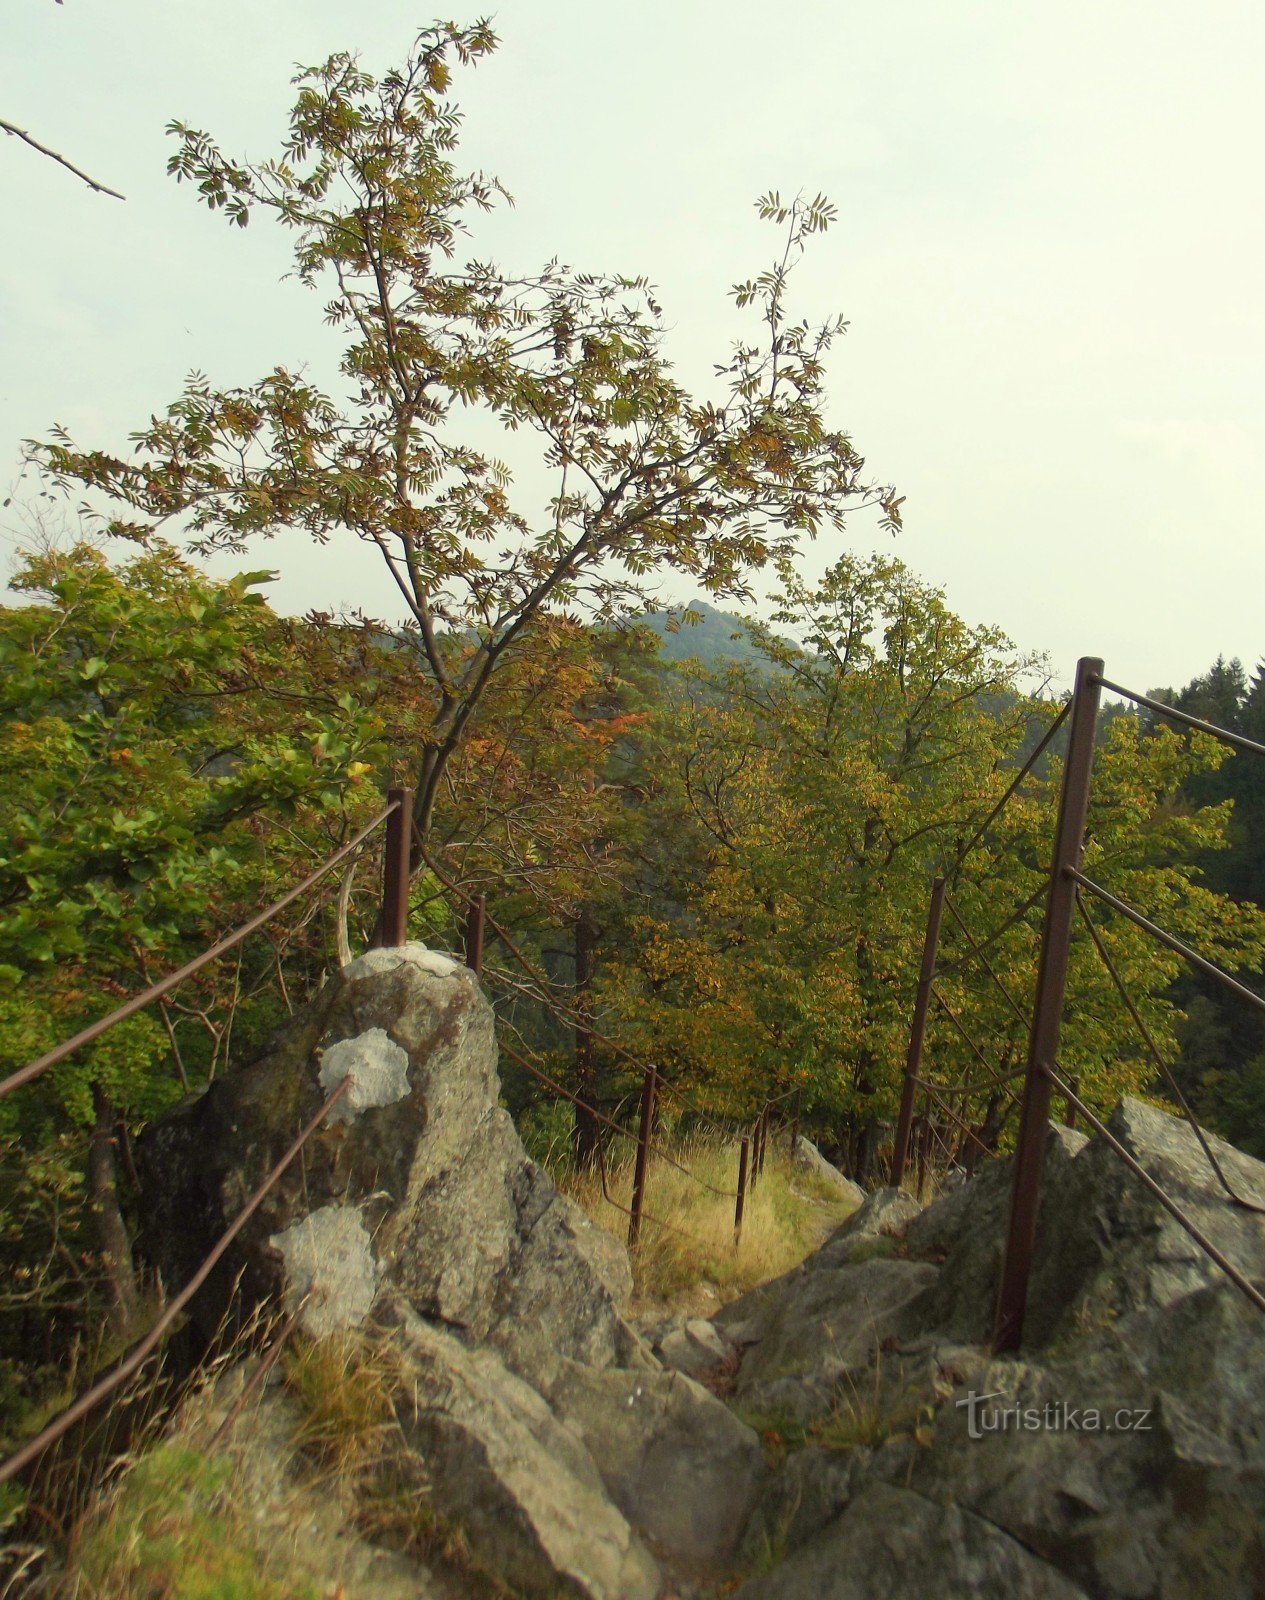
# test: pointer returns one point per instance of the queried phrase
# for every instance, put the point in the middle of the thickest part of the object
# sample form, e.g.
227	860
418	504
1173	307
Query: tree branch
21	133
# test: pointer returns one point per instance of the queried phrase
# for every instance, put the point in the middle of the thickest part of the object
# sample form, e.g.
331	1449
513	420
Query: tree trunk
112	1239
586	1131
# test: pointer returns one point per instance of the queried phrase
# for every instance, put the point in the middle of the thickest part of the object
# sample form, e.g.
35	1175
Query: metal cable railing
1065	890
392	931
930	992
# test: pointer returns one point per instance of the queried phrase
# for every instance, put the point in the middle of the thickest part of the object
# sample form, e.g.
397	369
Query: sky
1049	252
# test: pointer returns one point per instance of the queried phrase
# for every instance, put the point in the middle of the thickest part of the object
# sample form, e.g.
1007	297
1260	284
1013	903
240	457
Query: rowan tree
645	475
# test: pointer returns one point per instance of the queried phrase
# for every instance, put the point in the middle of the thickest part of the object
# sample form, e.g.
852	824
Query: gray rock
809	1159
892	1544
678	1463
967	1229
690	1344
810	1488
825	1323
1108	1248
329	1265
520	1485
439	1197
885	1211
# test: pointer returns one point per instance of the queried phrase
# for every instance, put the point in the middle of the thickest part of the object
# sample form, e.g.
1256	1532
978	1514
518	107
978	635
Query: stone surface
809	1159
520	1485
536	1422
423	1161
678	1463
892	1544
329	1268
967	1231
692	1345
885	1211
377	1067
1125	1458
818	1324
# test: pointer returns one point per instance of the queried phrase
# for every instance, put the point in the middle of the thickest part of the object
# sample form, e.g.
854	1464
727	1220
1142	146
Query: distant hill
719	637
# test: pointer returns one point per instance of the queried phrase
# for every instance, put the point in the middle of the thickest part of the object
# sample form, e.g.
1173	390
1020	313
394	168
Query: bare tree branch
21	133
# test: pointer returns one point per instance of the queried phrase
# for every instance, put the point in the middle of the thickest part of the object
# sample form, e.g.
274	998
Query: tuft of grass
176	1526
687	1237
345	1386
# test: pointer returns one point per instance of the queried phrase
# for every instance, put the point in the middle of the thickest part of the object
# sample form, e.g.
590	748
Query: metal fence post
794	1144
643	1156
744	1150
917	1032
1047	1010
473	938
395	870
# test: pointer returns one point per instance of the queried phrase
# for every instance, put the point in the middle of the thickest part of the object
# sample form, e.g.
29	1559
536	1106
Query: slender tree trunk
586	1131
112	1239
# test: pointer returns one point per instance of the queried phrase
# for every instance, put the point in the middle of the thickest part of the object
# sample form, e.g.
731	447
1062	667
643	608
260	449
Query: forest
711	835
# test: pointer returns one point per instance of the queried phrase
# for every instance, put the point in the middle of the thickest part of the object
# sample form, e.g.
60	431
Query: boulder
966	1230
688	1344
809	1159
826	1322
416	1183
522	1488
676	1461
893	1544
1120	1455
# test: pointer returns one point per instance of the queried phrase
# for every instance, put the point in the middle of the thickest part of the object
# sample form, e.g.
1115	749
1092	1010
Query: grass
182	1522
686	1254
177	1526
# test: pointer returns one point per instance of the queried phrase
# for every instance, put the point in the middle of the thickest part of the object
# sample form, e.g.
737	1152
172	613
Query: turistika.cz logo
1055	1416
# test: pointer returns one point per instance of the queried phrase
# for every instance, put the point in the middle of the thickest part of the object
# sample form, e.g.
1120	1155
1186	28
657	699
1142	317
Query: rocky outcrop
534	1419
678	1463
522	1487
809	1159
872	1447
417	1183
1122	1454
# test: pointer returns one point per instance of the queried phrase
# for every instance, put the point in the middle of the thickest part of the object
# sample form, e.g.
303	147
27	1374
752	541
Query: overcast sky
1050	253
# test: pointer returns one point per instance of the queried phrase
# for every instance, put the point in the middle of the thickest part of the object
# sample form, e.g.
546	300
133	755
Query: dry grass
687	1254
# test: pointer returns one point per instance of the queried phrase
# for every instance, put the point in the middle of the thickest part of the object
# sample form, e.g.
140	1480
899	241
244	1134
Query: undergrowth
176	1526
687	1236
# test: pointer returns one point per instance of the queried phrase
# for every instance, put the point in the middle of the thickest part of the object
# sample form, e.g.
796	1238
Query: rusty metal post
473	938
757	1147
917	1032
393	924
1047	1009
744	1151
1069	1116
643	1155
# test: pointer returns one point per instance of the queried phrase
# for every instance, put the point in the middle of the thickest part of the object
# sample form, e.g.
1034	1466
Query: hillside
718	636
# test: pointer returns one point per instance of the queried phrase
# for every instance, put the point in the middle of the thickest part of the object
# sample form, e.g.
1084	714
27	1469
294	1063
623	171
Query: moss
174	1528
